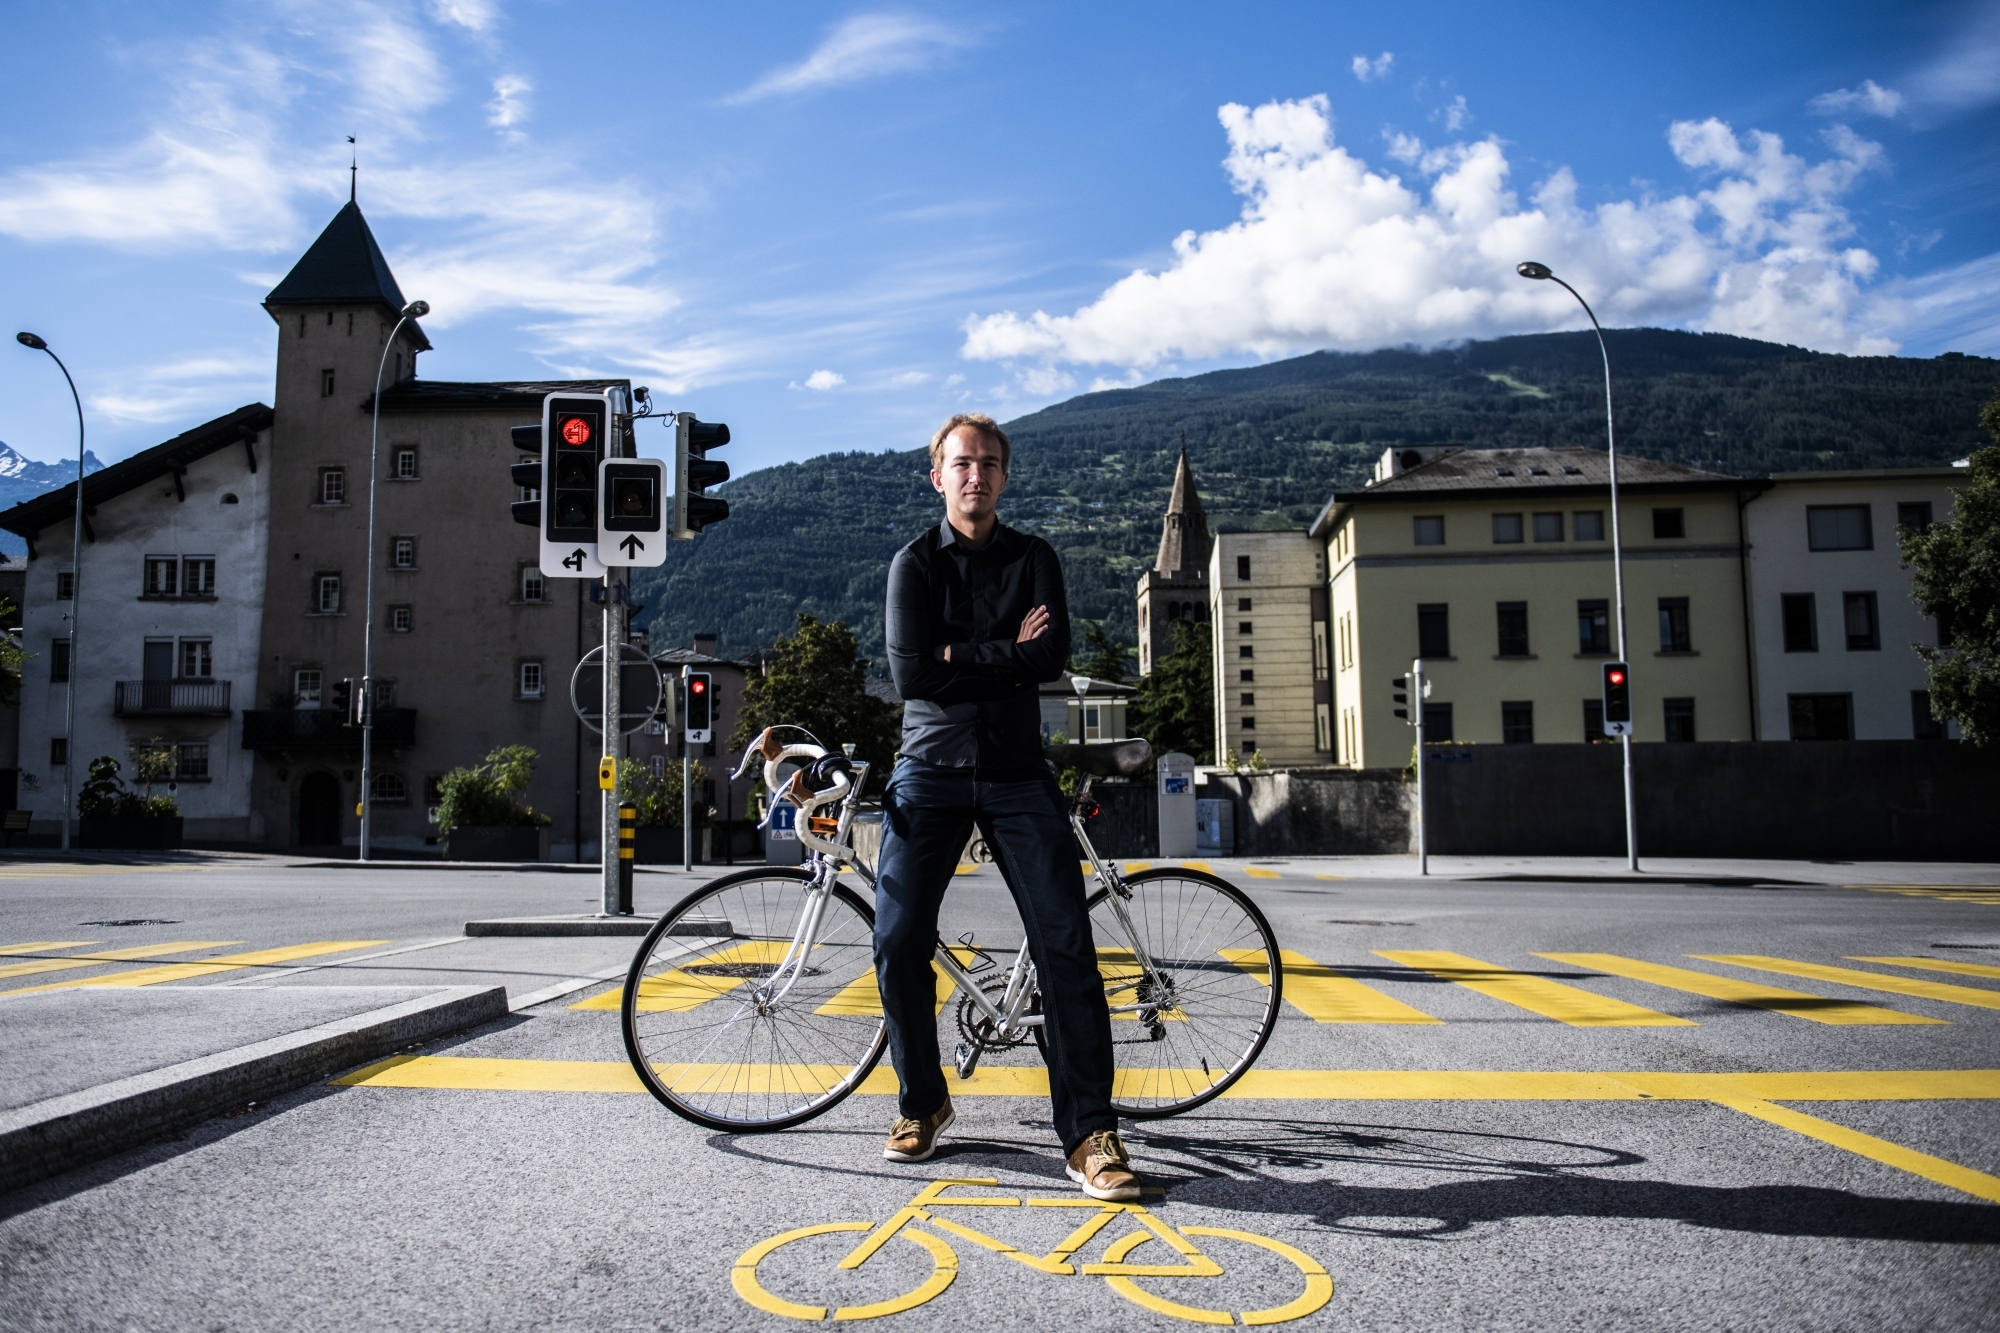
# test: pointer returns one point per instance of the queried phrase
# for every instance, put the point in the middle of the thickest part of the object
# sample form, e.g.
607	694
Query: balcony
323	729
171	698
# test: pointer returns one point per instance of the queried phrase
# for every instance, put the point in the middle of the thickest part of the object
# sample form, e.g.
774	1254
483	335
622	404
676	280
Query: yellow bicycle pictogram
1115	1266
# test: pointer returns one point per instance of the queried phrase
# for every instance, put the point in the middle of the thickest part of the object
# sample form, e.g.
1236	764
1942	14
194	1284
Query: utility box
1215	827
1177	805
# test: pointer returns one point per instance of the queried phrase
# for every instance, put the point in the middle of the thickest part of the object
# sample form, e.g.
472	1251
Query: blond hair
980	422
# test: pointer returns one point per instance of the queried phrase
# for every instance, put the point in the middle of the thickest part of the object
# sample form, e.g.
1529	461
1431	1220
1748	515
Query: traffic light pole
614	732
1417	715
687	783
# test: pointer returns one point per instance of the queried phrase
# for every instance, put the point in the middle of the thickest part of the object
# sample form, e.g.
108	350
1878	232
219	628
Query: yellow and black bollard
627	818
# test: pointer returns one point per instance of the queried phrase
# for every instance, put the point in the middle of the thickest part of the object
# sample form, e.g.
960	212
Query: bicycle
1115	1268
752	1004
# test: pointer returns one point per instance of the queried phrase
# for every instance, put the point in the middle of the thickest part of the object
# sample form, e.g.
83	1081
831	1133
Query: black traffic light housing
574	431
343	699
1617	693
695	472
1402	684
700	711
528	475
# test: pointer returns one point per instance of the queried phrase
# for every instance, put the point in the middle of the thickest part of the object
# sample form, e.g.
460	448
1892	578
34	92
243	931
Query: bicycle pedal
966	1058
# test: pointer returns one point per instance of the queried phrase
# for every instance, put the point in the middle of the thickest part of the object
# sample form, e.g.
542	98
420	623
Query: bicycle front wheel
1180	1040
729	1035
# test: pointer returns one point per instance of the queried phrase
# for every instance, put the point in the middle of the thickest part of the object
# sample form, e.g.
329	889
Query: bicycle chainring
976	1028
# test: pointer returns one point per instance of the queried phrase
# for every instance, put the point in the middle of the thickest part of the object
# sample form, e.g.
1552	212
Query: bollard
627	819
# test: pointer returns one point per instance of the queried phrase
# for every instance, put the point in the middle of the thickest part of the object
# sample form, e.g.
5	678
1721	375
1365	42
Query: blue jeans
928	814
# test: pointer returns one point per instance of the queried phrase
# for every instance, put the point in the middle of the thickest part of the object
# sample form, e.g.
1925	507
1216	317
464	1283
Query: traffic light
528	476
695	472
700	708
1617	699
574	430
343	699
1402	684
363	710
631	530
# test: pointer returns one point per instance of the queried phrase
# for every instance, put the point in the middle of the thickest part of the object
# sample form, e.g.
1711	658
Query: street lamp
414	310
1543	273
75	589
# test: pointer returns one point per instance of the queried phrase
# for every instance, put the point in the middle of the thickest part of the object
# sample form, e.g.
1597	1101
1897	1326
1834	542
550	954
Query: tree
656	801
817	679
488	794
1100	656
13	658
1176	704
1957	564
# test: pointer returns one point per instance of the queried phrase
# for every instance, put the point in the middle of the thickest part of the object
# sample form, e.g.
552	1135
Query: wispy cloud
863	47
475	15
1967	75
820	381
169	390
510	104
1368	70
1870	99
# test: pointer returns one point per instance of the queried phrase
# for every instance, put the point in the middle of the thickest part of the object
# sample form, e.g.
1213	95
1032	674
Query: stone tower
1176	587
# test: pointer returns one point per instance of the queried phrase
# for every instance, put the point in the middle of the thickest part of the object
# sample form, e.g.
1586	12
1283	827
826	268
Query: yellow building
1494	566
1272	693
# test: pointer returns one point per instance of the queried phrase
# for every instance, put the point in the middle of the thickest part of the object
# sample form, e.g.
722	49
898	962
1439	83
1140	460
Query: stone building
1176	587
1273	688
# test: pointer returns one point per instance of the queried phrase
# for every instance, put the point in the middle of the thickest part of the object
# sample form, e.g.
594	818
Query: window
390	788
1249	724
534	588
1093	724
1246	651
306	688
406	463
1513	628
1669	523
326	383
1246	675
403	553
58	751
1839	528
531	680
1243	604
1323	727
1593	720
1593	627
58	661
163	576
1243	626
1801	623
385	692
1864	626
1249	700
1822	717
326	594
1914	515
197	659
65	586
1506	528
1437	724
191	761
1430	530
1589	525
1674	625
1548	527
198	576
1243	568
400	620
1433	629
1679	717
333	485
1924	725
1517	723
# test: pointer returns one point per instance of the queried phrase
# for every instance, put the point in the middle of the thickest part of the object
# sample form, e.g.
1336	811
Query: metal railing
146	698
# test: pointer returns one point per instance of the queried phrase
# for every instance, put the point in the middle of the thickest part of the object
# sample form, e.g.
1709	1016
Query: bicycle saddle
1102	759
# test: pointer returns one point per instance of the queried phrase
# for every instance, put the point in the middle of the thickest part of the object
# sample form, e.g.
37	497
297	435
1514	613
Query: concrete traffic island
584	924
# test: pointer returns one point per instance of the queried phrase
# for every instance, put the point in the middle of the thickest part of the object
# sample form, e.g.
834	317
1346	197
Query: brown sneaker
915	1140
1101	1165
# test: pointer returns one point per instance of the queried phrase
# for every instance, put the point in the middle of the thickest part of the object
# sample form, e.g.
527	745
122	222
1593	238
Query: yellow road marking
1120	969
678	990
1848	976
43	946
1965	893
110	956
1324	995
1134	867
1538	995
1976	1183
863	995
964	868
1319	1286
1796	1003
1260	872
1203	866
1329	877
1935	965
153	976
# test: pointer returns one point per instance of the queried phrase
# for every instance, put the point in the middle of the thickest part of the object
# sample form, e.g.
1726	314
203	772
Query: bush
658	800
104	796
488	794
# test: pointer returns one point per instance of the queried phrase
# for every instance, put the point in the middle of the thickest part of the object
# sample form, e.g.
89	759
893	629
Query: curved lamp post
75	590
366	699
1543	273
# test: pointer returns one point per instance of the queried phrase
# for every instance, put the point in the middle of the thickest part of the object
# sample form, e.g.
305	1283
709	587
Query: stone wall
1318	811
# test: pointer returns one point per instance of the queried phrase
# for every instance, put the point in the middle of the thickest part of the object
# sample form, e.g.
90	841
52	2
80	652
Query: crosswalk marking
110	956
1324	995
1796	1003
153	976
1260	872
1964	893
1538	995
678	990
43	946
1848	976
1935	965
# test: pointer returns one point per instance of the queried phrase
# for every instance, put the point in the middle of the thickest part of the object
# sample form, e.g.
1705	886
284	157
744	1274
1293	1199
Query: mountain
22	478
1271	443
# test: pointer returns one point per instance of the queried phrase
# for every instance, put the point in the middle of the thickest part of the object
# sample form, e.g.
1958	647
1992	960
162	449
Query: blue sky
829	226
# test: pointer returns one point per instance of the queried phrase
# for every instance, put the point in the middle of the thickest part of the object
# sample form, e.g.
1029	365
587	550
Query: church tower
1176	587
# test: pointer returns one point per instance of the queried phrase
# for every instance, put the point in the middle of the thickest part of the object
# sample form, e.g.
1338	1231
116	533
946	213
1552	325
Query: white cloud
476	15
820	381
863	47
1968	74
1953	310
1870	99
170	390
908	378
510	104
1454	115
1330	253
1368	70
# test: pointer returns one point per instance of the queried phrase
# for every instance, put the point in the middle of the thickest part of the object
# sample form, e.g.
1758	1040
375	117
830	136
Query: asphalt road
1586	1191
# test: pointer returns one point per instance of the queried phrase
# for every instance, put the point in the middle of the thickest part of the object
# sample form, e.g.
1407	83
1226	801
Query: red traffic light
576	431
1615	677
698	685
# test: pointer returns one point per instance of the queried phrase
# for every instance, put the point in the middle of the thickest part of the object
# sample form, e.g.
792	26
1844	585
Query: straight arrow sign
631	546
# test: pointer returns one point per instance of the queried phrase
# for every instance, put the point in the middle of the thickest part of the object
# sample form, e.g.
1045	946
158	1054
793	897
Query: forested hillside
1270	444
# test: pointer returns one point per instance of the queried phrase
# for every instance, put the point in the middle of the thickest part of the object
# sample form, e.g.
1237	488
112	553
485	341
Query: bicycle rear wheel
707	1032
1220	983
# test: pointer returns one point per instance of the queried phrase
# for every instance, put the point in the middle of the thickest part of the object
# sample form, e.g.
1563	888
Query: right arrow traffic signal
1617	699
695	472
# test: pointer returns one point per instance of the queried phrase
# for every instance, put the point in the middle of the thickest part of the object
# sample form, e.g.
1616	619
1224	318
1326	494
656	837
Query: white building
170	610
1833	621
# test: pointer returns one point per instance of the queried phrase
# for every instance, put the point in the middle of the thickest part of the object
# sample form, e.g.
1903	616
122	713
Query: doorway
319	810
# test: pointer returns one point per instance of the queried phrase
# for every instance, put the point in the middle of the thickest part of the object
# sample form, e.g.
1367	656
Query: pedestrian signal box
1617	699
575	430
631	529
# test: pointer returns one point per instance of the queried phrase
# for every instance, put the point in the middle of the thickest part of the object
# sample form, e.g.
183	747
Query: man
976	620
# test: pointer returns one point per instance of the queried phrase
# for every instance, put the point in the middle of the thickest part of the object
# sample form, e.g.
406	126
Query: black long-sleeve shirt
981	709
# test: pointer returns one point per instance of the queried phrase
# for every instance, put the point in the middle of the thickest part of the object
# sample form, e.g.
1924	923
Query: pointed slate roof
343	267
1184	539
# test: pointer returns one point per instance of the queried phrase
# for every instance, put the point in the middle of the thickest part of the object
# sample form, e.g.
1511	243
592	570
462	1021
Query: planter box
130	834
655	845
497	843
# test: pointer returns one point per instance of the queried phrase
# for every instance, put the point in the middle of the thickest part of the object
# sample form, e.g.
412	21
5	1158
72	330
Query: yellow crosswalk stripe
1122	973
153	976
110	956
1538	995
43	946
1849	976
1203	866
966	868
1260	872
1134	867
678	989
1796	1003
1935	965
1323	994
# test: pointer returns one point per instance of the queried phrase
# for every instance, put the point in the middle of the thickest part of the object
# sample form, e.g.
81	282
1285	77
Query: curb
562	925
62	1133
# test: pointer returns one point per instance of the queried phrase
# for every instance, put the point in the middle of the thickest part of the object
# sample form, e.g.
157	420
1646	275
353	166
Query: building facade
1176	587
1273	687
